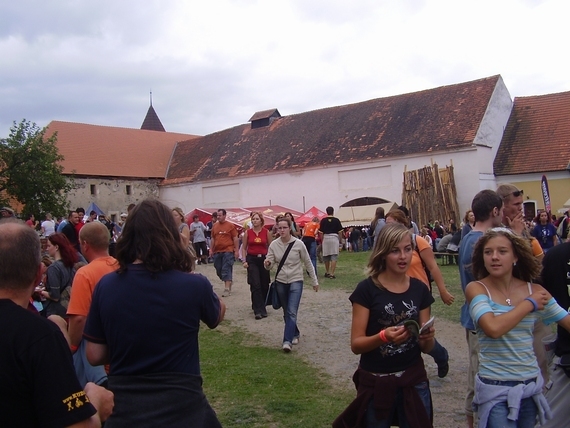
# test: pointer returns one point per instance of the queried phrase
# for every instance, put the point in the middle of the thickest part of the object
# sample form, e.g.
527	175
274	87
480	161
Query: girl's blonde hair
388	238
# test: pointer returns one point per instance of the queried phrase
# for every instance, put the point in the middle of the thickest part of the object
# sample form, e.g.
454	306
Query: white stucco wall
332	185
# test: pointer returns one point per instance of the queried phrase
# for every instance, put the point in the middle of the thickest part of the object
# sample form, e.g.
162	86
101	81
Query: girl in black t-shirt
383	306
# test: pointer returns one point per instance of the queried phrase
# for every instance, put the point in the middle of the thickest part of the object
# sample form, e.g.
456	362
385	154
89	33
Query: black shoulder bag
272	295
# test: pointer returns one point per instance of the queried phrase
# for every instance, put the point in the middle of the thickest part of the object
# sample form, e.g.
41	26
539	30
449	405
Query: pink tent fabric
308	216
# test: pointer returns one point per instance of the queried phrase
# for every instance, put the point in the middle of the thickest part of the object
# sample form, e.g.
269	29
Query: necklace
507	299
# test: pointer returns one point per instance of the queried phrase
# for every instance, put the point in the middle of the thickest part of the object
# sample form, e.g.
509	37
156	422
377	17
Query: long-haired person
256	242
144	321
545	232
59	275
290	278
295	231
468	223
391	380
423	258
505	305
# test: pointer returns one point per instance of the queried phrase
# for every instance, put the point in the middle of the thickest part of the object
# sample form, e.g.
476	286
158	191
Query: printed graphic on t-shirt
392	317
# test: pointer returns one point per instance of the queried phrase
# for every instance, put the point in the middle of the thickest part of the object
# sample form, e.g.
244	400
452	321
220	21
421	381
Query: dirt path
324	322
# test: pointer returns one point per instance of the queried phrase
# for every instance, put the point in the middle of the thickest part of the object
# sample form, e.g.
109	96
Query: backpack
428	273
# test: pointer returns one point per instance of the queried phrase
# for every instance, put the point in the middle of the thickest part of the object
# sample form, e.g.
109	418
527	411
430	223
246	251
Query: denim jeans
371	421
498	415
290	297
311	246
439	353
224	264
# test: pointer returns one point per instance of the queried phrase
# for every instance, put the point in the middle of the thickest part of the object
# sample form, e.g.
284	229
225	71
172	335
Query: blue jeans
313	254
290	297
224	264
423	391
498	415
439	353
311	246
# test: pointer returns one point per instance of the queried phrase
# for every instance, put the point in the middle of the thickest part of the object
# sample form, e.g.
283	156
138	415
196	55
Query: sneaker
258	316
286	347
442	369
295	341
443	366
226	293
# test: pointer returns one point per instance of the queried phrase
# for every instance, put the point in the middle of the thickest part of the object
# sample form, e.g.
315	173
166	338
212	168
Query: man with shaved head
94	241
39	386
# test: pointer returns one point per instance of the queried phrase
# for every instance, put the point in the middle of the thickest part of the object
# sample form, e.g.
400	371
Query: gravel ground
324	322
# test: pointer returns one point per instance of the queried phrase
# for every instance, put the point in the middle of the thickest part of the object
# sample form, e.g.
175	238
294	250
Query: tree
31	170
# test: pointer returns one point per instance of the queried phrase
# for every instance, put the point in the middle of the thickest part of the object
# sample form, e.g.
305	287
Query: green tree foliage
31	171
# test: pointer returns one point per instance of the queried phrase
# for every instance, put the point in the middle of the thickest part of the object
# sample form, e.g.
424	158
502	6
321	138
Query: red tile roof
94	150
443	118
537	136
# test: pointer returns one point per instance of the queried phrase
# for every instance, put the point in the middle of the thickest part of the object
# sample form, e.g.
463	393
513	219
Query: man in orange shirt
310	239
94	241
224	249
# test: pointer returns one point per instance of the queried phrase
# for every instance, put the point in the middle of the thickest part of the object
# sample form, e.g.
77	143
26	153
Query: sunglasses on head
516	194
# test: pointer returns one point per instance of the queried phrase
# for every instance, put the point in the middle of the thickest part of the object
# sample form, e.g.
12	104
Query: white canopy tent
361	215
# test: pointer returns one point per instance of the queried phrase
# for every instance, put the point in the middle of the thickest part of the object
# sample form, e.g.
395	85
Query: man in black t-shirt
38	384
330	230
556	279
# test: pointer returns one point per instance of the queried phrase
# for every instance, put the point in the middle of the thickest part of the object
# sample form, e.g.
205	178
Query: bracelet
382	335
534	304
73	348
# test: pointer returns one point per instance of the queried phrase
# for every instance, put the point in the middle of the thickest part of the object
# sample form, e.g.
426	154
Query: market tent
270	212
93	207
308	216
204	214
361	215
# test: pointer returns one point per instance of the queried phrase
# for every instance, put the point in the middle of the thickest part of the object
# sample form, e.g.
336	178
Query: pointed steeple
151	121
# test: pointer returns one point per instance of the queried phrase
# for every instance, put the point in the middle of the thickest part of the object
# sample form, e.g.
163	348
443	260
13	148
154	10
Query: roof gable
95	150
443	118
537	136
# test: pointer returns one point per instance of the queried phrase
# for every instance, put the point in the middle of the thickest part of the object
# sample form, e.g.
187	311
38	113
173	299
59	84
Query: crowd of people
122	315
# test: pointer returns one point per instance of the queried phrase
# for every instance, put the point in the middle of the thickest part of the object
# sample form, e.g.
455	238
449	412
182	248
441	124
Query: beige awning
361	215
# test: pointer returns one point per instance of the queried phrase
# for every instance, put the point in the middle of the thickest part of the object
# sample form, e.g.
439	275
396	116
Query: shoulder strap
284	258
488	292
529	287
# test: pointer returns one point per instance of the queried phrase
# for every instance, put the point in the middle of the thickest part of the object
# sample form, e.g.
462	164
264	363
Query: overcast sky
212	64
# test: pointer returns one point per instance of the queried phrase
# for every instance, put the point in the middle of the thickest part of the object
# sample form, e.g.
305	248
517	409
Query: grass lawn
249	386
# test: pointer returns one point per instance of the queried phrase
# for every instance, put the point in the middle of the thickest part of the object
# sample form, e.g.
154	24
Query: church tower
151	121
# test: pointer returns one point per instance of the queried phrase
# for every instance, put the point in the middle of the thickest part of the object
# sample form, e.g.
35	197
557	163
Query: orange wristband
382	335
73	348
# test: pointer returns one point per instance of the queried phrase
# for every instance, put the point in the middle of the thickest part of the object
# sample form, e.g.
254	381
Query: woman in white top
289	281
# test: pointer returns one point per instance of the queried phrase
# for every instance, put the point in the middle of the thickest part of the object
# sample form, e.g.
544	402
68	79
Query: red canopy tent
270	212
308	216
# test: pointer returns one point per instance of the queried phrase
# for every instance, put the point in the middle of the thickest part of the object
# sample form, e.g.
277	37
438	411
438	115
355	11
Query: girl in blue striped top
504	305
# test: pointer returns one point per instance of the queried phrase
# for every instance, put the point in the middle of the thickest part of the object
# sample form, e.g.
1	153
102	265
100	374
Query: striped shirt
511	356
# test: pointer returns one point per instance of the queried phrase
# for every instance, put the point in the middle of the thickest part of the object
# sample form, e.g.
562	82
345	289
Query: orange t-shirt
416	269
84	282
223	235
310	229
536	248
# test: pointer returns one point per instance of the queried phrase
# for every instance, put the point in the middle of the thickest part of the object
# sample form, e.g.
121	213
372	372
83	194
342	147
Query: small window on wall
128	189
93	190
